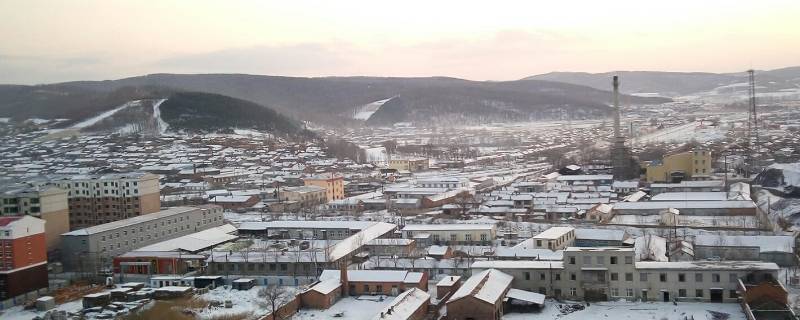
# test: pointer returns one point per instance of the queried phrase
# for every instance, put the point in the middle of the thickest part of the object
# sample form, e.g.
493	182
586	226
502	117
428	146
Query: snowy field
638	311
244	301
361	308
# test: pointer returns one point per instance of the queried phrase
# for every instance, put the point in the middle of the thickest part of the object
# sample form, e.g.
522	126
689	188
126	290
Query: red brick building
480	297
23	255
388	282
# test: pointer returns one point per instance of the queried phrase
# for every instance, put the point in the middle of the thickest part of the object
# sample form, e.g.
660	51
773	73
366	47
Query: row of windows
601	260
615	292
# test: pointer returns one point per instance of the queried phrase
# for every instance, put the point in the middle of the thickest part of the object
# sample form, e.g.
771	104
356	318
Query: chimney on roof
343	279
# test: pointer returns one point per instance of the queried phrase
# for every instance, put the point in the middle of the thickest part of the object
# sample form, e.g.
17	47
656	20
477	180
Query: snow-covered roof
354	242
404	305
326	286
690	196
553	233
489	285
367	275
585	177
196	241
448	227
437	250
523	295
448	281
728	204
300	224
690	184
765	243
600	234
709	265
131	221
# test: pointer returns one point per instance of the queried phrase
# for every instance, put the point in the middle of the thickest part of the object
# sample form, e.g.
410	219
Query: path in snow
91	121
160	123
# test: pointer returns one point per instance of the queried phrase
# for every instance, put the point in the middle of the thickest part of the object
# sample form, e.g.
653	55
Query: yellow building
690	165
410	165
333	184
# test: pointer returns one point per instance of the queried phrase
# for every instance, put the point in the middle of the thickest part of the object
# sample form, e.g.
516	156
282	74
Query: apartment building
305	196
93	248
98	199
452	233
48	203
690	165
333	184
410	164
443	182
23	255
331	230
609	273
555	238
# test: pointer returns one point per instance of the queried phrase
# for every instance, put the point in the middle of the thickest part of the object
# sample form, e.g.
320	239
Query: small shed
96	300
244	283
206	281
45	303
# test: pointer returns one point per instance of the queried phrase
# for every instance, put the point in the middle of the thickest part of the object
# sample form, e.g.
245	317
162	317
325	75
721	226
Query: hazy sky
50	41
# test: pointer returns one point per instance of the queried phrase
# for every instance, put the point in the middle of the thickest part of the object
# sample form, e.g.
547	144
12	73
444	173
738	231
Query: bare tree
275	296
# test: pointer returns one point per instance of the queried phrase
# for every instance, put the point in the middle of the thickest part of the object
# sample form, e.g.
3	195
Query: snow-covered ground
683	133
243	302
360	308
162	125
91	121
636	311
366	111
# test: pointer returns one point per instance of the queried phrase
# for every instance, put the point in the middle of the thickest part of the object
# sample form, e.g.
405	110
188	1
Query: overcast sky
52	41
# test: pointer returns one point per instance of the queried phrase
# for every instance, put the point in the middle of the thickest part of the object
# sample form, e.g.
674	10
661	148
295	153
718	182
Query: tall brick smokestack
343	279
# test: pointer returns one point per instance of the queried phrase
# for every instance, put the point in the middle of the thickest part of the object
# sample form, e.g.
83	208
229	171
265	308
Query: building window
571	260
698	277
572	276
681	293
715	277
629	276
681	277
573	292
558	276
629	292
628	260
698	293
662	277
601	260
643	277
733	277
614	276
614	292
613	260
527	275
542	276
733	294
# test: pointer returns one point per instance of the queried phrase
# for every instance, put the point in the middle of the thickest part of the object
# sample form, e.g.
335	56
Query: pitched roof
489	285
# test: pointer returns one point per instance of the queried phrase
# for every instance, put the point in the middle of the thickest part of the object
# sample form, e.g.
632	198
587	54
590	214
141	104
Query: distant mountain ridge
332	100
676	83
